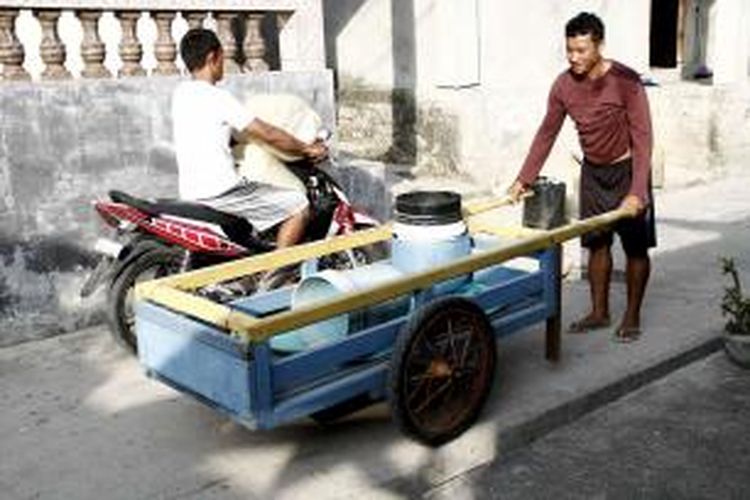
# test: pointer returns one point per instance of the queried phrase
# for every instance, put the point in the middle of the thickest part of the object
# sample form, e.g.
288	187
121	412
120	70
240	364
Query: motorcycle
156	238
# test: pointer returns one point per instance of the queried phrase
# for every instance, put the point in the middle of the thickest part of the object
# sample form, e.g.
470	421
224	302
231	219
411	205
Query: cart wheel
441	372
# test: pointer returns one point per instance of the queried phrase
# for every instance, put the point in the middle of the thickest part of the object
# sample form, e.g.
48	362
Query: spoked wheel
154	262
441	372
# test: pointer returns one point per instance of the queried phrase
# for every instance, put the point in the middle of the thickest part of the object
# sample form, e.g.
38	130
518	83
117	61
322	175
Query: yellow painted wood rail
258	263
171	291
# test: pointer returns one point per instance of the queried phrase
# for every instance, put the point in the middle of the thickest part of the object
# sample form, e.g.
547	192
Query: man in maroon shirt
608	105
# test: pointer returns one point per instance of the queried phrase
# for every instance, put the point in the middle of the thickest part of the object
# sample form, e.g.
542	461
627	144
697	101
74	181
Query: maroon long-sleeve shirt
612	117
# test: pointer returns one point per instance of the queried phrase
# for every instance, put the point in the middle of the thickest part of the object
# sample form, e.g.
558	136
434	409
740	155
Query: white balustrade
102	53
93	51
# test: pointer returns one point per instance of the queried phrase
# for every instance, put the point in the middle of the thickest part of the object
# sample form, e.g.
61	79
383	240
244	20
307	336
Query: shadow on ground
82	421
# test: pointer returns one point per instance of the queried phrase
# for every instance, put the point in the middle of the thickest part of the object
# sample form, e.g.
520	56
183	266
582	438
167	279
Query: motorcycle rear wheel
154	262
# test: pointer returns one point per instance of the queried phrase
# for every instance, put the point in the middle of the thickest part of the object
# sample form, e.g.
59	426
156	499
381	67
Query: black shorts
603	187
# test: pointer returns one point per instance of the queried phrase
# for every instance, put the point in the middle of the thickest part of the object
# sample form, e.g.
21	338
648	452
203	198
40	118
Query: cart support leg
554	322
263	386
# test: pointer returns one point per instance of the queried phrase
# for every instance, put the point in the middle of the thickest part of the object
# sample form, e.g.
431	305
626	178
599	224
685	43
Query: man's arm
283	141
641	139
247	126
543	141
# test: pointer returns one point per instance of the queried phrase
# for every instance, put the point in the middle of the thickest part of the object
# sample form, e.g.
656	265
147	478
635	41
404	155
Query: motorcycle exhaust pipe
110	252
108	247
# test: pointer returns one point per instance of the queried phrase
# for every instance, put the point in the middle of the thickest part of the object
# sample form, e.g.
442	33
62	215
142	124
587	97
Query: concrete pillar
11	50
224	31
627	31
131	49
696	29
93	50
254	44
195	19
52	49
301	41
165	48
728	55
456	38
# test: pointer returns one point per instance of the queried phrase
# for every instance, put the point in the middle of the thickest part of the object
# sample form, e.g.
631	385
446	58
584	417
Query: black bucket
428	208
546	209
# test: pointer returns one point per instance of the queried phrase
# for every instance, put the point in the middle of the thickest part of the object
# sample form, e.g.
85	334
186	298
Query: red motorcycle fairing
342	221
193	237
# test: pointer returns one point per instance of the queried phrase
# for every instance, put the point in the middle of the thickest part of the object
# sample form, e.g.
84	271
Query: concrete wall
63	145
482	122
482	114
517	42
714	35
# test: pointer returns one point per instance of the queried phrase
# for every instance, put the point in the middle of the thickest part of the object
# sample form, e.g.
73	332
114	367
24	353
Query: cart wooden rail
174	291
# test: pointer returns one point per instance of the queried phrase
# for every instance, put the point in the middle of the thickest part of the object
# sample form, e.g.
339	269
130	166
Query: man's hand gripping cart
418	329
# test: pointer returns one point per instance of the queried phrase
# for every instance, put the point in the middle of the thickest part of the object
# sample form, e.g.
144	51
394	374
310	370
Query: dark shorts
603	187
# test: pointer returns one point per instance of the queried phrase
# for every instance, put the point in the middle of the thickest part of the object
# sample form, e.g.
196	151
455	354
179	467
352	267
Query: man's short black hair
195	47
583	24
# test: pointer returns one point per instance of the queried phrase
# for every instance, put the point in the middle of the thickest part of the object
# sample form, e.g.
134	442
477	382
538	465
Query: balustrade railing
241	25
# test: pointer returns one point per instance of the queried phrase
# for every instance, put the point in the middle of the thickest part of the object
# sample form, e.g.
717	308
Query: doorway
665	33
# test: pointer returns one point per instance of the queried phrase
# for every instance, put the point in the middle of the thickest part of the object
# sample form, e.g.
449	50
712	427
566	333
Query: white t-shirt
203	119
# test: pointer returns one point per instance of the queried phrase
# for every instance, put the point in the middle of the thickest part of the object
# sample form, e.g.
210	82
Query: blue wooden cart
433	359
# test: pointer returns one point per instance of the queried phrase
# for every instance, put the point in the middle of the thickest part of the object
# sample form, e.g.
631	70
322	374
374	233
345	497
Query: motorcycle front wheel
154	262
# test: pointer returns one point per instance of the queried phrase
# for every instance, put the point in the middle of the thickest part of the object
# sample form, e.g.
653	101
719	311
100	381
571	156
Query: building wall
489	111
63	145
518	42
480	68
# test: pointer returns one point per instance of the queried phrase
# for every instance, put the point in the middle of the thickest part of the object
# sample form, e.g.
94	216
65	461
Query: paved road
78	420
686	436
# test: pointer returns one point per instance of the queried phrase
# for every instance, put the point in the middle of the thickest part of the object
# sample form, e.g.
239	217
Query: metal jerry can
546	208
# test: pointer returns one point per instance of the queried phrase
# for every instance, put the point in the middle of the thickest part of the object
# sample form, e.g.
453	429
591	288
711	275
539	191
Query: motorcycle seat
237	228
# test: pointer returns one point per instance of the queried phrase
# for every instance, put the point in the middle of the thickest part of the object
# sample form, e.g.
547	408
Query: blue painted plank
261	304
372	379
305	367
190	328
246	418
516	321
497	274
200	367
262	378
495	298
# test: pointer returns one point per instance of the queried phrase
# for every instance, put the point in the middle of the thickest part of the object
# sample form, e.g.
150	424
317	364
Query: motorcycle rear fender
132	250
118	215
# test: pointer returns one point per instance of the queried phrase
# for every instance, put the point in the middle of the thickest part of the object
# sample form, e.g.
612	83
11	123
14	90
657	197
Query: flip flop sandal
586	324
627	335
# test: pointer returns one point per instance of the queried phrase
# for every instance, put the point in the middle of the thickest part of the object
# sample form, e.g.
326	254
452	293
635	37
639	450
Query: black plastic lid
428	208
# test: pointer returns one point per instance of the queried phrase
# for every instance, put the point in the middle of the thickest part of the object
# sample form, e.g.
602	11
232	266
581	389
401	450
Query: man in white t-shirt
205	118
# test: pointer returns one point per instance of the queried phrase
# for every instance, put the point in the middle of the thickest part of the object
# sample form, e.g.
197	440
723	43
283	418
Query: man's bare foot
589	322
628	331
627	334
